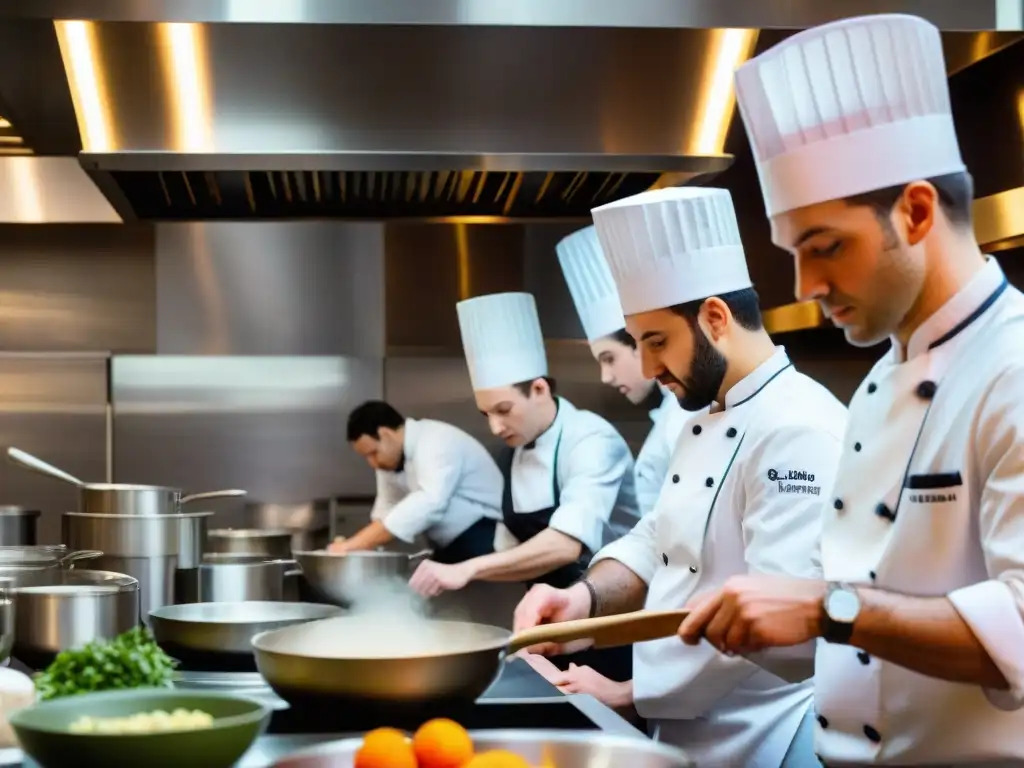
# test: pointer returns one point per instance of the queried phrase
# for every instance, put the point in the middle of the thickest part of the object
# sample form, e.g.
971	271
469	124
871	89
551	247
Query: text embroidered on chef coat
931	498
795	481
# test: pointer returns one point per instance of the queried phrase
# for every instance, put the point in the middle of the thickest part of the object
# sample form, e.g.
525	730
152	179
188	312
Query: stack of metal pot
142	530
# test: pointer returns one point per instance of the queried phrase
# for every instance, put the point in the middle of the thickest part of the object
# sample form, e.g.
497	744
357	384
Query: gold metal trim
799	316
999	220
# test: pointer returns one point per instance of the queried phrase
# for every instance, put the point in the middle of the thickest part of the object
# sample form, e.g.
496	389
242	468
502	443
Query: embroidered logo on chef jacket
795	481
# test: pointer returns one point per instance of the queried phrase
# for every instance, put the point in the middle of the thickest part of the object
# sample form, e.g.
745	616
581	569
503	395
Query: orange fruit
442	743
498	758
385	748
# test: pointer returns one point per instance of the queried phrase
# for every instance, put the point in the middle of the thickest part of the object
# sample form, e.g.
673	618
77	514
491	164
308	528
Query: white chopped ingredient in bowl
157	721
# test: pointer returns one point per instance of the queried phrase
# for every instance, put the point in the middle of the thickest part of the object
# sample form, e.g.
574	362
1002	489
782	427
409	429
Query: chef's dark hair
955	190
524	386
744	305
623	337
370	417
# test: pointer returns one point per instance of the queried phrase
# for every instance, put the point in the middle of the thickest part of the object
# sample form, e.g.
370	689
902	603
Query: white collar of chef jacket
550	435
752	383
953	312
411	437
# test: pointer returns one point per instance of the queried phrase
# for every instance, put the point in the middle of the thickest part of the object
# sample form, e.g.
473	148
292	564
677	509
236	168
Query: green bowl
43	734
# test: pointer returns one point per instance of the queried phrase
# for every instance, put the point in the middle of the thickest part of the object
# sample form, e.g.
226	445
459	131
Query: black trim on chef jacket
926	390
614	663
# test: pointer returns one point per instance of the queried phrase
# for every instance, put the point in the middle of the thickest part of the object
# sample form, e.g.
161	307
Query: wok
118	498
228	627
310	661
343	578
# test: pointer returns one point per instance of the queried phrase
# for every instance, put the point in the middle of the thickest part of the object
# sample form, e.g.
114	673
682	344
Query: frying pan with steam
424	662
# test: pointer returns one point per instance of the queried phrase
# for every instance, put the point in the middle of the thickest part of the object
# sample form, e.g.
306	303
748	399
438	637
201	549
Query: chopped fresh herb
130	660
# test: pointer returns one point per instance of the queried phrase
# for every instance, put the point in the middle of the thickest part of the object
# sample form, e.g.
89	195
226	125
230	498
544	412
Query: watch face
842	605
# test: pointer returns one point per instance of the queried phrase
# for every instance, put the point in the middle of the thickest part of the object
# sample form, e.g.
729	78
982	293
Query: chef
745	488
569	483
921	603
433	479
597	303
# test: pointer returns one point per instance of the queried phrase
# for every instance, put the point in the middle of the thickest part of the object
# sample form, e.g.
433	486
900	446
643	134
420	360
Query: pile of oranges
438	743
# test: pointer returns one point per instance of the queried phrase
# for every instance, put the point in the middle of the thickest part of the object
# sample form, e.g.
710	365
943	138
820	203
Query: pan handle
423	554
213	495
81	554
606	631
28	461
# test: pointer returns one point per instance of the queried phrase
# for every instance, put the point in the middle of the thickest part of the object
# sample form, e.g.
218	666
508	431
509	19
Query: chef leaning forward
433	480
923	542
569	484
597	304
745	485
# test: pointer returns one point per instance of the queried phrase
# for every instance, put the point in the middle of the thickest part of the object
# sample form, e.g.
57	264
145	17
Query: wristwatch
841	606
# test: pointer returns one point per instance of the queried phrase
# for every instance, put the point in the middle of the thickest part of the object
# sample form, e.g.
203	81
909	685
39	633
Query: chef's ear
713	317
916	210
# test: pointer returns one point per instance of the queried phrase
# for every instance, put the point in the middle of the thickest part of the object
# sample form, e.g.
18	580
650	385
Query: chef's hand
431	579
547	605
338	546
586	680
756	611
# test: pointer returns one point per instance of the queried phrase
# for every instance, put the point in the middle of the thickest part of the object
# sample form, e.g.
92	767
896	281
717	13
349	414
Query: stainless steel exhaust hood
239	109
336	121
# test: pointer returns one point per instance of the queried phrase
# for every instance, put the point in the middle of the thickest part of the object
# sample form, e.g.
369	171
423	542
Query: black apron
475	541
614	663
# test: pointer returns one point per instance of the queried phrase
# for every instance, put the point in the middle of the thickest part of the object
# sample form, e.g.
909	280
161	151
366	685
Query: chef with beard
745	488
922	602
597	304
569	483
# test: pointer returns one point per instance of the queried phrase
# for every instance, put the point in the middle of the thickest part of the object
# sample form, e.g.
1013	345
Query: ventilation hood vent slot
198	195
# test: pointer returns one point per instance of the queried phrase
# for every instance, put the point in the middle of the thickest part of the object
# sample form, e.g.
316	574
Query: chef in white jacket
569	484
433	480
745	489
597	304
921	603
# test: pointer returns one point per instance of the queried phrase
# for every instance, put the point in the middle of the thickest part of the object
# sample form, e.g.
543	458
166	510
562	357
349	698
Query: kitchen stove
519	698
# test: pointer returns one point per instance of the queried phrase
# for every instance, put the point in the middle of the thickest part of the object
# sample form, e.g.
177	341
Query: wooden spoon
605	631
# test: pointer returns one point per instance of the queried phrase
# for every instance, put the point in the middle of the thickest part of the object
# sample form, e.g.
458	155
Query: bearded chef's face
864	267
515	415
679	353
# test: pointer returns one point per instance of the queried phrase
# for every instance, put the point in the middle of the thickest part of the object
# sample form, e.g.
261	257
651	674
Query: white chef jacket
449	482
595	478
656	453
930	501
745	495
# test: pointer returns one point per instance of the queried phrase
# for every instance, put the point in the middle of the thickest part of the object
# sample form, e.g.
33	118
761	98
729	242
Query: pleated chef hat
502	340
590	283
846	108
670	246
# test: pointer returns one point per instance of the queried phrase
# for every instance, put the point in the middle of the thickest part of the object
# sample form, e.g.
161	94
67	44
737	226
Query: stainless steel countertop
519	683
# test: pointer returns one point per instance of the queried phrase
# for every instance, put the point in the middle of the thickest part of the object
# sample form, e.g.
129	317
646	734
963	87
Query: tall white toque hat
502	340
846	108
590	283
670	246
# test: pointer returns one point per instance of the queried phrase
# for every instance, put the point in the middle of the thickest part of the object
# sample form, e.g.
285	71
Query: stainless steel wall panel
259	288
272	425
77	288
53	406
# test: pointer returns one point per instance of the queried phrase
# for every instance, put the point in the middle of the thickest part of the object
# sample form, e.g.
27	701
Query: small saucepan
118	498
